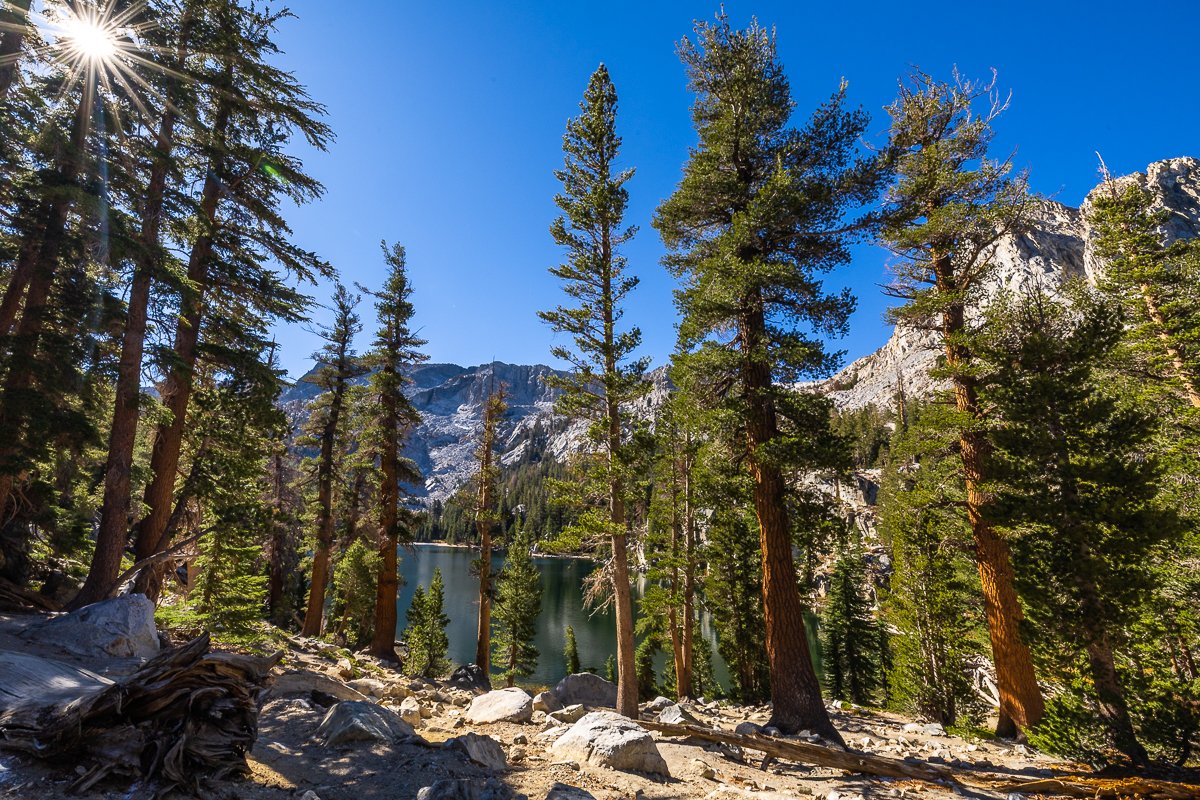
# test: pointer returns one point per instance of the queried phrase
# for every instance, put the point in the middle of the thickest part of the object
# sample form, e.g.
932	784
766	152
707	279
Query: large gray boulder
546	702
121	627
606	739
354	721
676	714
586	689
468	789
502	705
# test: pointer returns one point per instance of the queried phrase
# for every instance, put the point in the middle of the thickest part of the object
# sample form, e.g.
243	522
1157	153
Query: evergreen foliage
425	632
571	651
354	578
518	604
849	633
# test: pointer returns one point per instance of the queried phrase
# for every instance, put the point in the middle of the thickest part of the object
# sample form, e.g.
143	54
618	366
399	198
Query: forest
1037	523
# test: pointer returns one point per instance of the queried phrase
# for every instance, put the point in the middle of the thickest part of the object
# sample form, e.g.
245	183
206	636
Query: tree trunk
1021	704
152	532
14	23
383	641
113	530
684	679
1182	372
795	691
276	577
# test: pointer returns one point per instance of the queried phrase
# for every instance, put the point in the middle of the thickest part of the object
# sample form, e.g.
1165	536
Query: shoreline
534	555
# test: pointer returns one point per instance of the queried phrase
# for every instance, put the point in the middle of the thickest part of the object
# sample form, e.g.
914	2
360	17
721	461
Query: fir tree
849	634
948	207
336	367
486	519
591	229
391	420
644	658
518	604
1075	478
934	603
571	652
425	633
760	213
354	578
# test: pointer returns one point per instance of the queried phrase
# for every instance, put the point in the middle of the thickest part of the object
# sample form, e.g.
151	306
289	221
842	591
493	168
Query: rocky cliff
1057	245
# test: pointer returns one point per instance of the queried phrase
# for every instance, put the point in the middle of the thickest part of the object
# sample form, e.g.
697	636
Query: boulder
369	686
677	715
501	705
546	702
606	739
565	791
658	704
569	715
410	711
121	627
483	750
933	729
470	677
748	729
468	789
586	689
355	721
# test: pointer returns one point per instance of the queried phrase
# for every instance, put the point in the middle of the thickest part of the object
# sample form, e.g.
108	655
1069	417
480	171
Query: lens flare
90	39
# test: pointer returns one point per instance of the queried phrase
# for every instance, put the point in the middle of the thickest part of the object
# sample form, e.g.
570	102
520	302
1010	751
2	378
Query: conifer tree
354	578
14	29
571	651
392	418
337	365
1076	479
849	634
425	633
591	229
518	604
486	519
947	208
759	214
934	603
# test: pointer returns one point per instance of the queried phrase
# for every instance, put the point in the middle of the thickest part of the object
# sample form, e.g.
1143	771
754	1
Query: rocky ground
391	736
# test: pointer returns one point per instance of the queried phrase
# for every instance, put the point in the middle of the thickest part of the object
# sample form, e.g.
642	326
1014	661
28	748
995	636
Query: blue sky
449	120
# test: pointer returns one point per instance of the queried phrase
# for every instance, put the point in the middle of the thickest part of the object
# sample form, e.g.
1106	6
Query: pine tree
934	603
760	213
644	658
593	203
425	633
337	365
392	419
571	652
1076	479
948	207
486	519
849	634
354	578
518	604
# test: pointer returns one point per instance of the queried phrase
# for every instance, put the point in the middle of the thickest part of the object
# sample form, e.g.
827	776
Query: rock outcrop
502	705
606	739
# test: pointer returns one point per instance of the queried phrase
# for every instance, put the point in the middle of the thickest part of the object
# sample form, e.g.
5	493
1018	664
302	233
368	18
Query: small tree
425	633
849	634
354	580
571	652
486	519
518	604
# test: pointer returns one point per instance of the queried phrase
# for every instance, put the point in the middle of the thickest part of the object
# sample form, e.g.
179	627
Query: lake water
562	605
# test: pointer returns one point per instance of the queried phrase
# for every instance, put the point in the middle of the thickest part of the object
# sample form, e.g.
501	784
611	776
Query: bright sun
90	40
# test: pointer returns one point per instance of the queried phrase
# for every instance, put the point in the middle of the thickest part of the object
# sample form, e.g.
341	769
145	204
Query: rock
933	729
516	754
703	769
574	765
546	702
471	678
396	691
345	669
369	686
677	715
439	709
569	715
609	740
911	727
501	705
538	717
658	704
483	750
310	795
355	721
410	711
314	685
552	733
467	789
121	626
748	729
520	738
565	791
586	689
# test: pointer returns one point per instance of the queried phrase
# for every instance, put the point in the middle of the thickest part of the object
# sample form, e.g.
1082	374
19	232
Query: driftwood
185	714
870	764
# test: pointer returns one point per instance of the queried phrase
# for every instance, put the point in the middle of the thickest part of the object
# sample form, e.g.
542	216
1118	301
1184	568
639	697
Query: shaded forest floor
287	762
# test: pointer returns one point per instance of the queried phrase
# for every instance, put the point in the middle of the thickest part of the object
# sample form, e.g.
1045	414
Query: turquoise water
562	605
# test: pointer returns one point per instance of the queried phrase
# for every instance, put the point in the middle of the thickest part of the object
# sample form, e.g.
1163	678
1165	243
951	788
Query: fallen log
964	780
18	598
185	714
